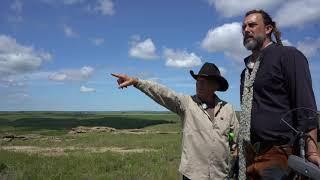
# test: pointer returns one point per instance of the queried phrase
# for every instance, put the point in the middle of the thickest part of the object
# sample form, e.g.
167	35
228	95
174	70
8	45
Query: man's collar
262	52
217	100
267	45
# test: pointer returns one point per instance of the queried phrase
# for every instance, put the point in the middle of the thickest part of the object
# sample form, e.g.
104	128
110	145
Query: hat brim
223	83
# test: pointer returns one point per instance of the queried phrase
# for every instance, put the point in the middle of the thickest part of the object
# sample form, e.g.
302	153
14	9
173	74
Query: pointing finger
117	75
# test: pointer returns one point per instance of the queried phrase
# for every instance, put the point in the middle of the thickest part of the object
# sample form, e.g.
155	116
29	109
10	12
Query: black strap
222	104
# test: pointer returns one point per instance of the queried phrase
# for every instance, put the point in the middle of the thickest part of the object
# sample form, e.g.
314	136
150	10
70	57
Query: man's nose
246	34
246	30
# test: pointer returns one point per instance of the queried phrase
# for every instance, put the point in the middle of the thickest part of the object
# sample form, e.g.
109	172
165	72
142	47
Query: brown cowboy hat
211	71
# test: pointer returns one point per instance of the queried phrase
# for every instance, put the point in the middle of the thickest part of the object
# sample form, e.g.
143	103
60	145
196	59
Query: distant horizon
83	111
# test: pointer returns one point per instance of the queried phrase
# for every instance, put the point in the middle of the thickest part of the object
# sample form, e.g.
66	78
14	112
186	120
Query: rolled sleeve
163	95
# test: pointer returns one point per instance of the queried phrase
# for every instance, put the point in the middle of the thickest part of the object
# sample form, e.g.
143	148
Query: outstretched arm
162	95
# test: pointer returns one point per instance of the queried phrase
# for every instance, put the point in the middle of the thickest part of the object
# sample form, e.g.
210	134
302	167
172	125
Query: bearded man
276	79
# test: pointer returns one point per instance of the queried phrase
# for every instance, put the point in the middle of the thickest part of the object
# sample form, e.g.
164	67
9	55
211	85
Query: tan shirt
205	146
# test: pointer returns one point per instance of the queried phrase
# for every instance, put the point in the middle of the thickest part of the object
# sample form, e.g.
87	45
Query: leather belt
262	147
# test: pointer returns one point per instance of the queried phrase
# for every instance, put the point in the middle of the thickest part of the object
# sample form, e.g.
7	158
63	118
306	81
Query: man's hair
267	20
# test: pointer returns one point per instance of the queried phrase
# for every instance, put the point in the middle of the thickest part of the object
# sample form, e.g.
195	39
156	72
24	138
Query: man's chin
248	39
250	44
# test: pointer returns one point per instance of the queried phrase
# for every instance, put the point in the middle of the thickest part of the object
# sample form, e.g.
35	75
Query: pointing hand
124	80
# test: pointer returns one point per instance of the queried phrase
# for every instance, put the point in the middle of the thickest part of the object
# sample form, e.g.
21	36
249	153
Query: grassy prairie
39	145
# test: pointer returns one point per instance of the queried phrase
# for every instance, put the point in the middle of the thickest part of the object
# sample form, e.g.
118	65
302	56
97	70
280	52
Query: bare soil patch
83	129
58	151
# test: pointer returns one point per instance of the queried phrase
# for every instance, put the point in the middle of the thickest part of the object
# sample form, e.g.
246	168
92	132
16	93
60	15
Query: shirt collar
249	64
217	101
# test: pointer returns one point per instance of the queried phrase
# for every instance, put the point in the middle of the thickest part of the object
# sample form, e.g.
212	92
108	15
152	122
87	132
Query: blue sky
58	54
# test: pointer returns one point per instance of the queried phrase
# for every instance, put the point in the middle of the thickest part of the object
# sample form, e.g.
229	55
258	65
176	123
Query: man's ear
268	29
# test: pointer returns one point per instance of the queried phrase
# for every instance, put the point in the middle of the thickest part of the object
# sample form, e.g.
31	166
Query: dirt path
84	129
59	151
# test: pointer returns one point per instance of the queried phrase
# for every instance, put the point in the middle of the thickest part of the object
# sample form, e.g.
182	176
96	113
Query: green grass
49	130
155	165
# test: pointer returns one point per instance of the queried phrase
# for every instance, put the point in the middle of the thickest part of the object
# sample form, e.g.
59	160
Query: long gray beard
254	43
251	44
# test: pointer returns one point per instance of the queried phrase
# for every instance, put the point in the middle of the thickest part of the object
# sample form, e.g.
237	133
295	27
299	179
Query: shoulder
191	100
283	54
226	105
228	110
295	52
287	50
290	49
277	49
292	55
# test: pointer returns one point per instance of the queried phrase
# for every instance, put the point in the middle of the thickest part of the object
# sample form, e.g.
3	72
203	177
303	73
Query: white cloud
226	38
298	13
97	41
11	82
181	58
286	11
286	42
222	70
143	50
72	74
85	89
310	47
231	8
58	76
69	32
105	7
17	59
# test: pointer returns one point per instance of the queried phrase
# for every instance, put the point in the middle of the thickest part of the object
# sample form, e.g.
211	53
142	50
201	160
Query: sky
57	55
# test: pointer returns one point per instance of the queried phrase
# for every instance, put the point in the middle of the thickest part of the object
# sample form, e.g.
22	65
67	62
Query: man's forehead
255	17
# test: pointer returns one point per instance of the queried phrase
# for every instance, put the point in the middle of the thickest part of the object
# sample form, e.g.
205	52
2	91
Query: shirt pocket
222	125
